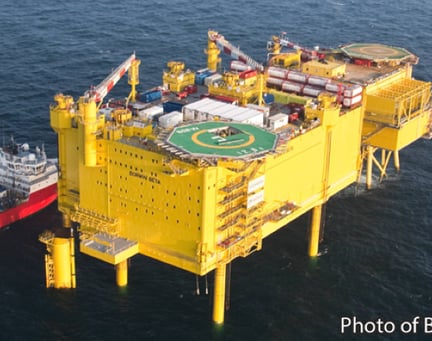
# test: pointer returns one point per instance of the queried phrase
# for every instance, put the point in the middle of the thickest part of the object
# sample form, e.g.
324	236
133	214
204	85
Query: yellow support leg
219	294
72	262
396	160
315	231
61	255
122	273
67	223
369	167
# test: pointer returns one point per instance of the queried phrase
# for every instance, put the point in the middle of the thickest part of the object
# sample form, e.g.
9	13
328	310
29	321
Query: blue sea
375	267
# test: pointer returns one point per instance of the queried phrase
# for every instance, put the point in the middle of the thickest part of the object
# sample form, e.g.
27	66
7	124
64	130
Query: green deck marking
376	52
214	139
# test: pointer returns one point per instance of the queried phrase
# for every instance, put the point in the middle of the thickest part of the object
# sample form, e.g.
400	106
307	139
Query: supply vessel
28	181
200	170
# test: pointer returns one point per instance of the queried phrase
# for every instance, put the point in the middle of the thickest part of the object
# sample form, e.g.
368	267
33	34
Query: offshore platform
198	171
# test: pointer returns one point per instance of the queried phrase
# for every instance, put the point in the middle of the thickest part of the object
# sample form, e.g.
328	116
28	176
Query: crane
275	45
217	43
228	48
60	259
99	92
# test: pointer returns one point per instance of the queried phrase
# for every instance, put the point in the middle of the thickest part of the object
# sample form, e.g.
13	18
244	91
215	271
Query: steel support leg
396	160
369	167
122	273
219	294
315	231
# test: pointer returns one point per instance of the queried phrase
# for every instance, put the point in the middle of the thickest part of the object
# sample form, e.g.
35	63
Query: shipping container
212	105
137	106
199	110
200	78
210	80
275	81
309	90
190	109
286	98
210	108
151	96
350	101
317	81
277	72
149	112
172	106
251	117
353	91
230	112
296	76
155	118
277	121
224	111
237	65
335	87
292	87
170	120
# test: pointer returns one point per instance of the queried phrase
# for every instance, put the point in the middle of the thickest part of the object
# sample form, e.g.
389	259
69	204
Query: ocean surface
376	258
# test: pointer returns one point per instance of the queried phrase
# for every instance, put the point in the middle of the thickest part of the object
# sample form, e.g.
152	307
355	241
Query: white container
232	113
275	81
311	91
335	87
297	76
137	106
349	102
208	109
225	112
277	121
170	120
256	184
150	112
317	81
189	110
253	117
237	65
189	115
210	80
292	87
255	199
211	106
353	91
277	72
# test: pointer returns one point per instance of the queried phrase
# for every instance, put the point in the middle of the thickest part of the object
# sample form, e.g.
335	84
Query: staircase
240	219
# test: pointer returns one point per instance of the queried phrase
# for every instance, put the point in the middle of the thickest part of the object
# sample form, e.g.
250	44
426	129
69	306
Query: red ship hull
35	203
